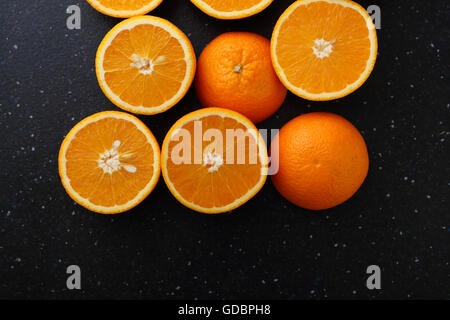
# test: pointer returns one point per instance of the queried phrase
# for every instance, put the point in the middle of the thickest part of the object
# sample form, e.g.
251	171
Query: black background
266	249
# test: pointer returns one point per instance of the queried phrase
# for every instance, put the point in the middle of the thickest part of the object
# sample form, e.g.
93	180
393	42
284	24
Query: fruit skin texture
323	160
235	72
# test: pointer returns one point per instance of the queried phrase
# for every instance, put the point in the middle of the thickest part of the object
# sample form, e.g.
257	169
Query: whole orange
235	72
322	160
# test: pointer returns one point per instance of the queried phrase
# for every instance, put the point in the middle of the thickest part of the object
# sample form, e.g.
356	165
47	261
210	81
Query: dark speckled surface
268	248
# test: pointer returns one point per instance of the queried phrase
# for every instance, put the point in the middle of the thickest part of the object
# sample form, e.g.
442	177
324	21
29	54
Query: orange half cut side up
124	9
145	65
218	181
227	10
324	49
109	162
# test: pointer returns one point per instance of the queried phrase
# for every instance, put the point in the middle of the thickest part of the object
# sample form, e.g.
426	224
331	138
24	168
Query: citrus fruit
124	9
235	72
322	160
109	162
324	50
145	65
236	9
213	160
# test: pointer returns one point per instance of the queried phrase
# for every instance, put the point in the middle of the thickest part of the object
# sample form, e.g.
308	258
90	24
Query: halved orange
109	162
324	49
236	9
214	160
145	65
124	9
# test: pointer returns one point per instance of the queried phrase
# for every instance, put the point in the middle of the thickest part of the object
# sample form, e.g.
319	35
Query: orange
235	9
324	50
145	65
214	160
235	72
109	162
322	160
124	9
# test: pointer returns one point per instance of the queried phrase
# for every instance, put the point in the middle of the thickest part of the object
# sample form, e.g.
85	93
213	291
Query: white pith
322	48
109	161
212	160
144	64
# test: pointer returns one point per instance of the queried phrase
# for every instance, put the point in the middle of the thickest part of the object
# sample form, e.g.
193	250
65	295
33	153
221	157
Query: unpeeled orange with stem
109	162
214	160
124	9
145	65
234	9
322	160
235	72
324	49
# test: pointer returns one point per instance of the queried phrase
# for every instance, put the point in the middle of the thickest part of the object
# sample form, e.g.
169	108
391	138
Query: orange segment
324	50
145	65
236	9
214	160
109	162
124	9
